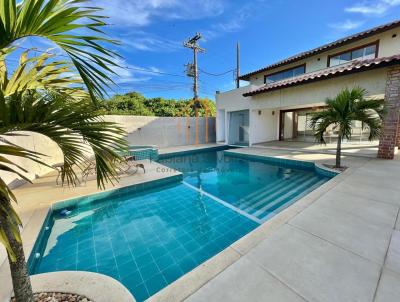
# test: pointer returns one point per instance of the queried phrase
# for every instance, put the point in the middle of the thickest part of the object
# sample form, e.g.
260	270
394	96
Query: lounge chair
125	166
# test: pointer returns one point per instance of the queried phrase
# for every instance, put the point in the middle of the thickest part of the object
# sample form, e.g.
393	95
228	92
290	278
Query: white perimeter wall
164	131
142	130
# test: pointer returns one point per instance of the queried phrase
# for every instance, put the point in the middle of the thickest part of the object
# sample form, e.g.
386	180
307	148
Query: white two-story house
277	103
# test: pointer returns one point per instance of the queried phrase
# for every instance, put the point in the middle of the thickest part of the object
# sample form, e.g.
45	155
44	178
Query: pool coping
165	155
96	287
192	281
319	168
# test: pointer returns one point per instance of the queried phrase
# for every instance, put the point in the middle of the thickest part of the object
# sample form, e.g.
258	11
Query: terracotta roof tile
337	43
352	67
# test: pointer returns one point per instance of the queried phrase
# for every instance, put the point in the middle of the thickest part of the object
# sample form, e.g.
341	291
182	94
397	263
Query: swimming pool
258	187
148	238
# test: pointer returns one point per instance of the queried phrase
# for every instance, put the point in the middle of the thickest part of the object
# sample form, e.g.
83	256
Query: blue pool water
257	187
147	239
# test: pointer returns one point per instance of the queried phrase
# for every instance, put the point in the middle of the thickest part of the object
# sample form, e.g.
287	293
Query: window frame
376	43
283	70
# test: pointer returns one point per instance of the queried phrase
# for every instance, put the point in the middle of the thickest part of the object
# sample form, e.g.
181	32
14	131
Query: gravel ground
58	297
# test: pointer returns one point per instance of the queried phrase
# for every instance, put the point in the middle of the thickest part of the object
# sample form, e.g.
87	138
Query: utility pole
193	72
237	65
192	44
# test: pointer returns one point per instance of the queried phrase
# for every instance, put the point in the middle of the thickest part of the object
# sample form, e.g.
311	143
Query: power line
217	74
118	66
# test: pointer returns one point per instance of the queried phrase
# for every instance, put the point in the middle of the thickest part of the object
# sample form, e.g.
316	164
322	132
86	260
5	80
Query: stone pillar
398	134
391	135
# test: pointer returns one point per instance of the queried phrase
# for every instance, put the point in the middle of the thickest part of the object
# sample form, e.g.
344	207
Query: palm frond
348	106
62	22
75	126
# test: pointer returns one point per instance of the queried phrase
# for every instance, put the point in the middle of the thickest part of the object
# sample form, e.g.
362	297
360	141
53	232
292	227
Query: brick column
390	136
398	134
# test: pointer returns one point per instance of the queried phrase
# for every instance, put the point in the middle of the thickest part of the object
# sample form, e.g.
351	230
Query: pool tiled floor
146	240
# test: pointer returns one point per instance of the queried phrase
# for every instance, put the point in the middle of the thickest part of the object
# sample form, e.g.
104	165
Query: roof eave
344	41
325	77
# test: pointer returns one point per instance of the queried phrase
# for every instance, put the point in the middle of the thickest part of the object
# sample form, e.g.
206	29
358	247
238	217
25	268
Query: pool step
268	204
262	190
296	195
272	189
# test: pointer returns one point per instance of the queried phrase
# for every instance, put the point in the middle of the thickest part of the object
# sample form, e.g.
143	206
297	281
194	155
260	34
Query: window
285	74
363	52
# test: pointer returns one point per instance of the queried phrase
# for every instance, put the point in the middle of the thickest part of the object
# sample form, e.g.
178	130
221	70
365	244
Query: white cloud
236	21
145	41
347	25
143	12
373	8
129	73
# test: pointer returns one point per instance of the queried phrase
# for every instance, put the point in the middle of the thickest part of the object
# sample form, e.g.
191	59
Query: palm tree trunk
19	270
338	151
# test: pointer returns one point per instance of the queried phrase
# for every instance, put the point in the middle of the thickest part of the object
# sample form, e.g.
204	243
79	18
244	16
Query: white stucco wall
306	95
34	142
164	131
220	125
264	126
374	81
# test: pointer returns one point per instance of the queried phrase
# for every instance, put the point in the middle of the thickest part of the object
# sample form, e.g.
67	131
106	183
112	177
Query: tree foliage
134	103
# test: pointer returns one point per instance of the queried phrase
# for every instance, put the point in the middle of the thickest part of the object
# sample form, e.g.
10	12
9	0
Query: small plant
346	107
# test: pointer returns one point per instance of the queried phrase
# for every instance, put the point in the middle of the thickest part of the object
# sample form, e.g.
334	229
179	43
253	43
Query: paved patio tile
373	182
316	269
346	230
373	191
371	211
393	255
397	226
245	281
389	287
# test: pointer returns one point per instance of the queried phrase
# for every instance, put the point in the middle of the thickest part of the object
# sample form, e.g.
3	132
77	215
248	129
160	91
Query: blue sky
152	32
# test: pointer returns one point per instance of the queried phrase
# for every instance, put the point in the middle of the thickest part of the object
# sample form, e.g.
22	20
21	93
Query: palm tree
64	23
38	97
346	107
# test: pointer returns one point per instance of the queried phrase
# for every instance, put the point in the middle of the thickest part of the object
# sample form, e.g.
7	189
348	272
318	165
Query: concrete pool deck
341	242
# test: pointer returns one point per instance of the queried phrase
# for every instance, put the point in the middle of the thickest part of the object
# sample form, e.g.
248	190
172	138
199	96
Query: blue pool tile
149	271
144	260
155	283
172	273
178	253
127	268
131	277
158	251
139	291
164	262
187	263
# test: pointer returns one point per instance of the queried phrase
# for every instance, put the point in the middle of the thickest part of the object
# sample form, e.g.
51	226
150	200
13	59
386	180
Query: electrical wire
216	74
122	66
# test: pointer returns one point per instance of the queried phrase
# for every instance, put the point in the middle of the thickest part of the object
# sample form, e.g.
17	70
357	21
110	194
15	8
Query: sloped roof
340	70
335	44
